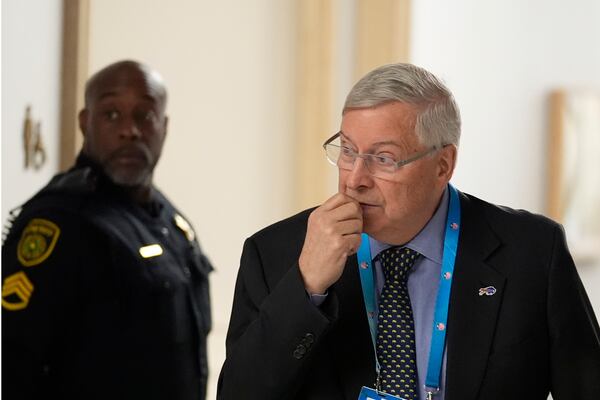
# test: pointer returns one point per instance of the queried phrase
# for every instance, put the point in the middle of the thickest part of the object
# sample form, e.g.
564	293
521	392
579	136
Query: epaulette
68	187
74	181
66	190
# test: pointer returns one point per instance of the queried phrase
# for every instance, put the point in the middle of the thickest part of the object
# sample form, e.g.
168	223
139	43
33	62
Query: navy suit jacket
537	334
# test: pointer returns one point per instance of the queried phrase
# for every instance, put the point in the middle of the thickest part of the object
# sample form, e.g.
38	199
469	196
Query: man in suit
519	324
105	287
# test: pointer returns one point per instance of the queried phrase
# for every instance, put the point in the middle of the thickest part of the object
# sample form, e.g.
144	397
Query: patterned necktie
395	326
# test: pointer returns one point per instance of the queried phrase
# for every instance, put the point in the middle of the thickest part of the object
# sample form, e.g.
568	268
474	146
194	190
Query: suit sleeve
574	331
40	292
272	333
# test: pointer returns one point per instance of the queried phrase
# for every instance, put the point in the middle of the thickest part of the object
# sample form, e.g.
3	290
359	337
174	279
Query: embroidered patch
185	227
16	291
37	242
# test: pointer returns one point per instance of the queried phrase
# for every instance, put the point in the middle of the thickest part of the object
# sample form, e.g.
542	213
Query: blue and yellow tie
395	326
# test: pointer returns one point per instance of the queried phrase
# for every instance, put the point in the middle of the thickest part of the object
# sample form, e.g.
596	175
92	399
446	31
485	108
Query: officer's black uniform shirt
102	298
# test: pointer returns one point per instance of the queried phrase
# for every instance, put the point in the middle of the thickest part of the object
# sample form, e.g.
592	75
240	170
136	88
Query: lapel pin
454	225
488	291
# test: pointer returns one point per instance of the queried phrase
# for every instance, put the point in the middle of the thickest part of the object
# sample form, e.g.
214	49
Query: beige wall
31	42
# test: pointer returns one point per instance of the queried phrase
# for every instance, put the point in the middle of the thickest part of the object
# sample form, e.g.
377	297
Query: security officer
105	288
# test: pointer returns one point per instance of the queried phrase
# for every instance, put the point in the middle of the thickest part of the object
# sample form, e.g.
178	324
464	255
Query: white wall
229	70
501	59
31	56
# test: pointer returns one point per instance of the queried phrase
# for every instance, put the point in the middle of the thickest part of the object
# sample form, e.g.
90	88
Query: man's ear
166	125
447	162
82	117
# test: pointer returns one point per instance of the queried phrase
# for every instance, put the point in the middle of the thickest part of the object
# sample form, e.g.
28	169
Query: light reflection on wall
578	174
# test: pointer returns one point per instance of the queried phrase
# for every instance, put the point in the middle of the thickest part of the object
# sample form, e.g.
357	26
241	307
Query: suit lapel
352	343
472	317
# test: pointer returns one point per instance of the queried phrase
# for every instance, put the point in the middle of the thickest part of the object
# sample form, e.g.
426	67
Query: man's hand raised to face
333	234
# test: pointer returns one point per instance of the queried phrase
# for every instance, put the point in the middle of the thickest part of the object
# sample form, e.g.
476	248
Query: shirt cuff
317	299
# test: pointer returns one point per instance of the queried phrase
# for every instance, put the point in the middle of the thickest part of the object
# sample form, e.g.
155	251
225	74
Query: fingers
347	211
343	220
337	200
353	241
333	233
349	227
341	207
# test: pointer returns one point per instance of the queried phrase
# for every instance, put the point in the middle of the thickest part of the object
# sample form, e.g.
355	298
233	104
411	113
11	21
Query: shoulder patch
16	291
37	241
185	227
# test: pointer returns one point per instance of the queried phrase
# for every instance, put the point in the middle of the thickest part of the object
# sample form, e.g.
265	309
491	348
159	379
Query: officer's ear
165	125
82	117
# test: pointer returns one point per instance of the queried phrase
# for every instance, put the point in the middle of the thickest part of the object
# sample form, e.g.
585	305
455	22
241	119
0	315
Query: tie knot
396	262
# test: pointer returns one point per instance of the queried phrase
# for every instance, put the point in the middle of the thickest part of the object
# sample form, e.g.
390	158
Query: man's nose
359	175
130	130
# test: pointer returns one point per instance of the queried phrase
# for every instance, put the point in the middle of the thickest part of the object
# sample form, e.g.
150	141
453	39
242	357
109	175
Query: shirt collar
429	242
154	206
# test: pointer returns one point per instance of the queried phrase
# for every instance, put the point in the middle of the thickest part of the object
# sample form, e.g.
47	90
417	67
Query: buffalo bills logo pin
487	291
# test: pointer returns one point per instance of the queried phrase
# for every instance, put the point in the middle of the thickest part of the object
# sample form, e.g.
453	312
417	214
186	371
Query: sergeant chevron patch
16	291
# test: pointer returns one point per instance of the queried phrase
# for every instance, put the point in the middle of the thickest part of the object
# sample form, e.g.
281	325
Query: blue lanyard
366	271
440	318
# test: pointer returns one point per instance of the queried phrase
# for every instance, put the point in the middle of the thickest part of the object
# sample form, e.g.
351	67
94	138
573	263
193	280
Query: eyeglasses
382	167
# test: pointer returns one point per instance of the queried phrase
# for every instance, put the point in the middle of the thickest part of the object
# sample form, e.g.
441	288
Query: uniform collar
106	186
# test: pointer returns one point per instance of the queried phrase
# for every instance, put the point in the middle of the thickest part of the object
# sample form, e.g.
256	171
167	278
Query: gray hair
438	117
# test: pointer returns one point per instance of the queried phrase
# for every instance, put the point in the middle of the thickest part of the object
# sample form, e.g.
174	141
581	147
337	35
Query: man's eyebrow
376	144
342	136
112	93
150	98
105	95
